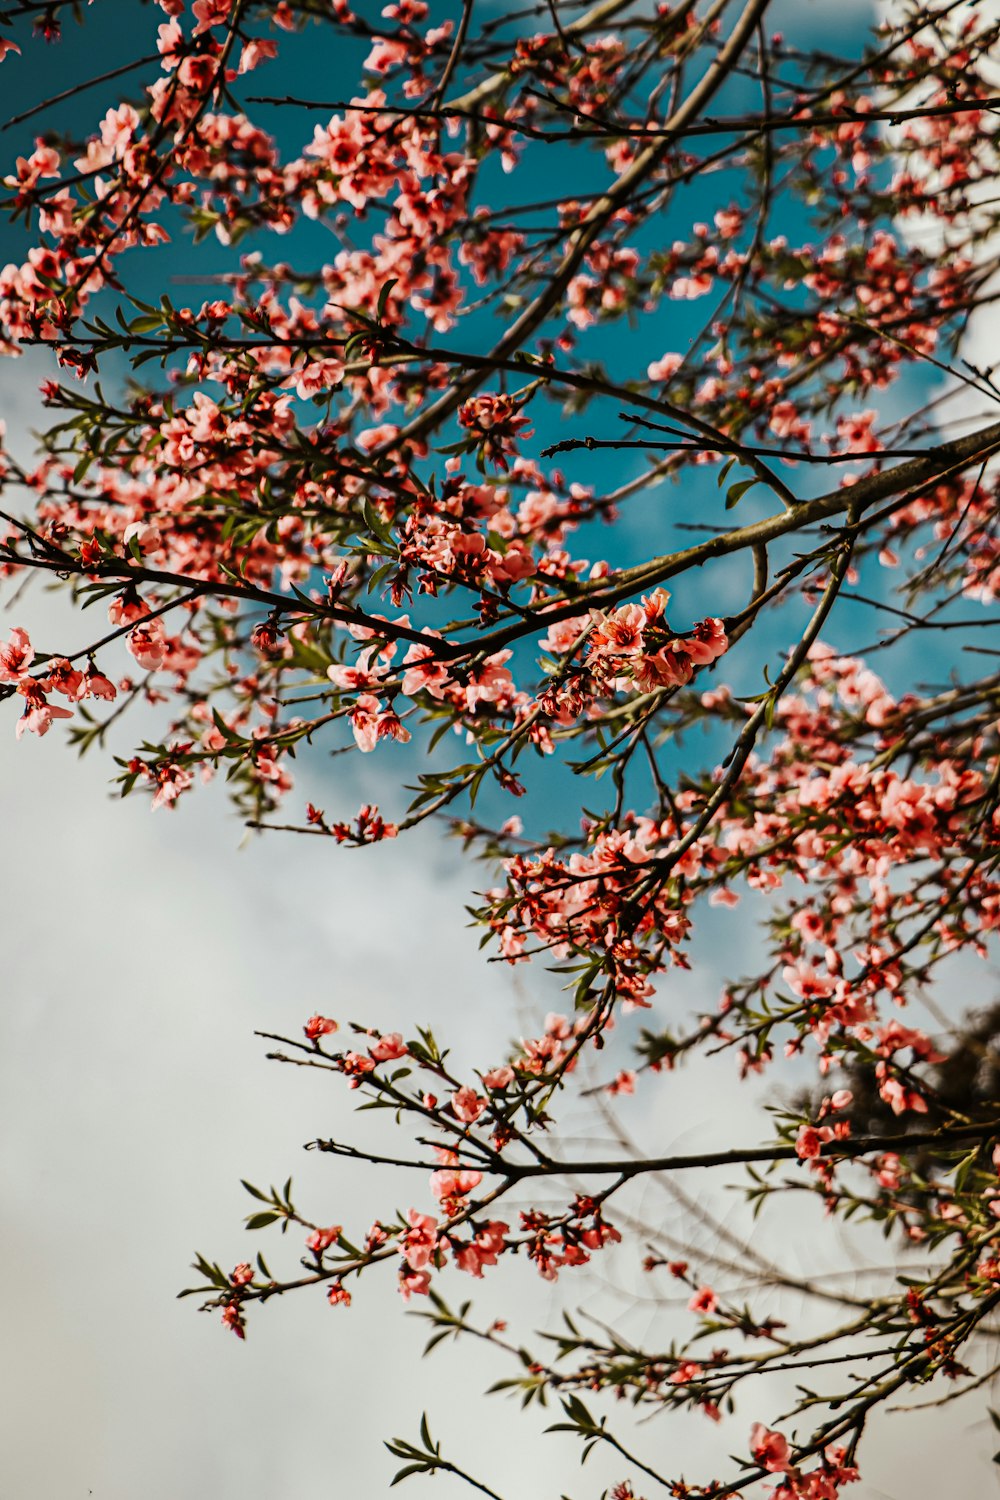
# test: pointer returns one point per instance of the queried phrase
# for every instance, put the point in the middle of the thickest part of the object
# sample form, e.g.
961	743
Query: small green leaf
735	492
724	472
383	297
261	1221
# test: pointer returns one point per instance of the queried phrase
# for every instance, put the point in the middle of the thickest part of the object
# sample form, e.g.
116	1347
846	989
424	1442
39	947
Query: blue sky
313	66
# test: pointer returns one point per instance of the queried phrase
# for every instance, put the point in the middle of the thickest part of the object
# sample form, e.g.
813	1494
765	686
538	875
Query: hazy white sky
141	951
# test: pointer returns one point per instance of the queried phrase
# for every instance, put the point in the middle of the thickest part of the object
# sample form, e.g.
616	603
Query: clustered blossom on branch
327	511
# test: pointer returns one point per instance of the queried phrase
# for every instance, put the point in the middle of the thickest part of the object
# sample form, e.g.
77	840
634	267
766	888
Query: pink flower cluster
771	1451
633	647
57	676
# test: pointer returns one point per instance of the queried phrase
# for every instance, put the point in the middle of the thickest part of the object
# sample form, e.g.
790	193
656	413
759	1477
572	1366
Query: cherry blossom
429	484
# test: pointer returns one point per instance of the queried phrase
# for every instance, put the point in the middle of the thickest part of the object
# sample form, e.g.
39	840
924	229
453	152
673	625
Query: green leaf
735	492
231	738
383	297
962	1171
405	1473
375	523
261	1221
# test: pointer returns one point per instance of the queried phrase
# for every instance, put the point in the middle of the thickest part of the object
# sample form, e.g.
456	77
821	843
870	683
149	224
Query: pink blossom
62	677
887	1173
729	222
209	13
356	1067
467	1105
172	779
391	727
483	1250
38	719
169	39
687	288
147	643
256	51
769	1449
232	1318
411	1282
809	1141
706	643
785	421
490	682
364	722
856	435
899	1098
322	1239
665	367
451	1184
803	980
388	1047
423	674
96	685
16	656
418	1243
624	1083
318	1026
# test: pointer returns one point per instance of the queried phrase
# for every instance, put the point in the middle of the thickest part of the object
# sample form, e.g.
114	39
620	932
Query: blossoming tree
580	263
